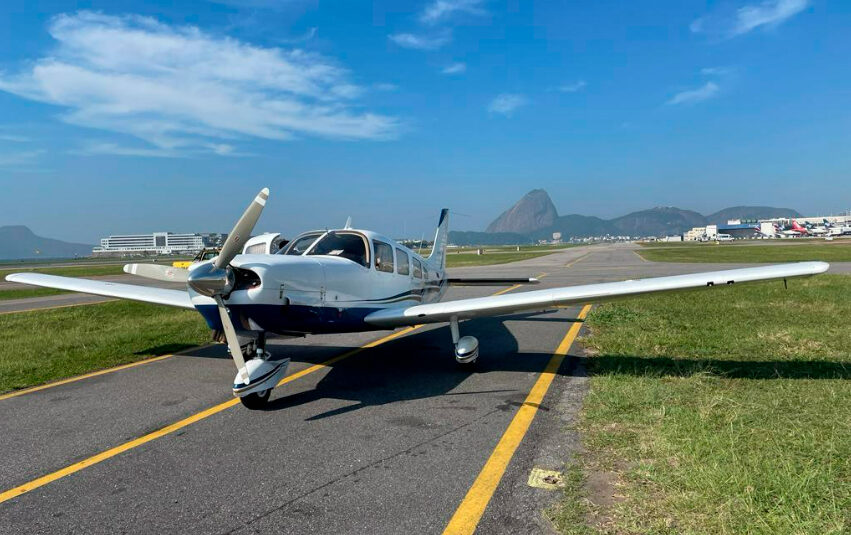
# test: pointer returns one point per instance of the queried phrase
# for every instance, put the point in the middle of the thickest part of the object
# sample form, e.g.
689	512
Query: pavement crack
361	469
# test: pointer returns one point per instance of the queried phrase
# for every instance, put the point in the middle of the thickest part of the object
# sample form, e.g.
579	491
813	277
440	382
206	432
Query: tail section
437	258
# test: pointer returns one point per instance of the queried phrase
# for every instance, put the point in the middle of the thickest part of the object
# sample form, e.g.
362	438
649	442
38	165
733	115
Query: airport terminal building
157	243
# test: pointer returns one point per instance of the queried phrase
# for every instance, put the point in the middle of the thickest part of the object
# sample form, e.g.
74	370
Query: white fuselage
322	293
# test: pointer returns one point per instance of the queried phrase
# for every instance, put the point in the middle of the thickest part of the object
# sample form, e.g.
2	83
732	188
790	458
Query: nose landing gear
254	382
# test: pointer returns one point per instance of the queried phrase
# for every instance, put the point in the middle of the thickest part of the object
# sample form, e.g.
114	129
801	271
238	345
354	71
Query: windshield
301	244
344	245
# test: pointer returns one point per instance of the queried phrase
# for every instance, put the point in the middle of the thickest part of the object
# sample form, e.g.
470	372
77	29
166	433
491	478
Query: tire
256	401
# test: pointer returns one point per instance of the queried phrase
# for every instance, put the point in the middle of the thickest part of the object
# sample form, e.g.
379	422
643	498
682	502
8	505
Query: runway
387	439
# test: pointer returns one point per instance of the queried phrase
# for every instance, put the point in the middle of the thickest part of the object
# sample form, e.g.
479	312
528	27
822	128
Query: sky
132	117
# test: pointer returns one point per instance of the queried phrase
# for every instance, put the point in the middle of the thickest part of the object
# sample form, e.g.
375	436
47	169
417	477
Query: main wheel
257	400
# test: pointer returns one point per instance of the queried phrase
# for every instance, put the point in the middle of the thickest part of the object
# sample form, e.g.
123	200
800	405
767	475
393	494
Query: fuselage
330	286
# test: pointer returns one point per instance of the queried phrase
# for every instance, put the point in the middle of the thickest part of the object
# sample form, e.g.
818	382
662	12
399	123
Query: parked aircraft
348	280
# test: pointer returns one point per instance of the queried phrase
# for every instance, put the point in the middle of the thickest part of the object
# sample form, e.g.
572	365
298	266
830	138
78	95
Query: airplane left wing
159	296
588	293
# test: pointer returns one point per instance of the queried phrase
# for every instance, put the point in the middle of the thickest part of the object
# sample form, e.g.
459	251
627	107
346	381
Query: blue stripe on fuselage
289	319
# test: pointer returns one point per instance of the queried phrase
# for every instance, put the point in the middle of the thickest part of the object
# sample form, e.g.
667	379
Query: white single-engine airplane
349	280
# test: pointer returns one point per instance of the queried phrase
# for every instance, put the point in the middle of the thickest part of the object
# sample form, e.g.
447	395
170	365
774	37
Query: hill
659	221
534	217
19	242
534	211
749	212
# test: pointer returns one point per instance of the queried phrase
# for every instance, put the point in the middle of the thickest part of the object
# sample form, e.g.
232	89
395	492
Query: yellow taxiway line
17	393
144	439
468	514
573	262
121	448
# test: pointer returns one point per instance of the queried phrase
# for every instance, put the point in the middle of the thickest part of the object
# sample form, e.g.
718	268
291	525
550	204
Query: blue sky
134	117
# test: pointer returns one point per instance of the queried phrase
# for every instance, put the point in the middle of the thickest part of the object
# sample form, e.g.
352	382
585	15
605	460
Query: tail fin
437	258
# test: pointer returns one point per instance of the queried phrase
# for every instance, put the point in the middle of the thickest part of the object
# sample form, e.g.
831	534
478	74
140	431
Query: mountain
659	221
534	217
575	225
534	211
18	242
749	212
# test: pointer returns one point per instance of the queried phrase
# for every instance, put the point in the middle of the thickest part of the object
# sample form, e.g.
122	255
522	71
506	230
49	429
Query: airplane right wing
159	296
587	293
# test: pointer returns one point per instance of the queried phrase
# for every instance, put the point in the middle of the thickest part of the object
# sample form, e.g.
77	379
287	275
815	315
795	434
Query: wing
159	296
549	298
484	281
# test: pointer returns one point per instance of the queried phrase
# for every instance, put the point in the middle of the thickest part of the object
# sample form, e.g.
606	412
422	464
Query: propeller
158	272
216	279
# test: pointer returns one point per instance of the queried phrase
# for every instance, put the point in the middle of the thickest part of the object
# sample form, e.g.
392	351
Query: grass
46	345
724	411
24	293
825	251
70	271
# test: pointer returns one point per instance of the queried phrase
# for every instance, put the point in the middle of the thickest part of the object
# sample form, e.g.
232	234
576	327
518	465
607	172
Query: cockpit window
344	245
301	244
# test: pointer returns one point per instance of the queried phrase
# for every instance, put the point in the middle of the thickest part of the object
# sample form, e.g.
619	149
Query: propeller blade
242	230
232	338
158	272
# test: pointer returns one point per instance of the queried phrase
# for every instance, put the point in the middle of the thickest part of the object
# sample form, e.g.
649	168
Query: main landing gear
466	347
254	382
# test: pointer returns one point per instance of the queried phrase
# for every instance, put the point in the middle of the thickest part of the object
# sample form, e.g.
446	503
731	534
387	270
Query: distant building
157	243
695	234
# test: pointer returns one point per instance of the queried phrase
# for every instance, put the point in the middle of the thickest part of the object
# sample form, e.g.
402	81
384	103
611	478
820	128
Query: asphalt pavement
387	440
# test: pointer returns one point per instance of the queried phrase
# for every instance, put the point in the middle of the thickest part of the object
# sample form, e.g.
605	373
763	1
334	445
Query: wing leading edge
543	299
159	296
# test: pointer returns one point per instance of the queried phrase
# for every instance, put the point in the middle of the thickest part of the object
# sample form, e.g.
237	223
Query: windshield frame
366	244
284	250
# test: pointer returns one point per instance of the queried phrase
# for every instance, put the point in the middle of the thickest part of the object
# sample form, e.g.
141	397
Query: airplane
350	280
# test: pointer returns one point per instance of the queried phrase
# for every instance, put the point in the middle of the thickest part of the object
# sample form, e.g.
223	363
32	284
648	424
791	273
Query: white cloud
454	68
572	88
693	96
385	87
14	138
178	87
714	71
768	13
439	10
506	103
16	159
419	42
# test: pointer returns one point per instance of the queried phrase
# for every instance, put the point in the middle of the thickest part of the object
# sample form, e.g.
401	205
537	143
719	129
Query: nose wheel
256	400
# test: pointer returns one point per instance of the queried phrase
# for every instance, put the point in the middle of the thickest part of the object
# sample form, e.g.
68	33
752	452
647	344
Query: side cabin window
383	257
345	245
418	269
403	265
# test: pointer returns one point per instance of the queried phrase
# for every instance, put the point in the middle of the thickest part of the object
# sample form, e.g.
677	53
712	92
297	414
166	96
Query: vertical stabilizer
437	258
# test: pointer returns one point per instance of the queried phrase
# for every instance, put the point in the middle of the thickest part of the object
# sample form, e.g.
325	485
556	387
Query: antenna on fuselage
348	223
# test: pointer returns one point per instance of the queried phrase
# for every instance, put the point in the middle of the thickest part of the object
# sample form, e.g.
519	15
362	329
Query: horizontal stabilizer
586	293
159	296
484	281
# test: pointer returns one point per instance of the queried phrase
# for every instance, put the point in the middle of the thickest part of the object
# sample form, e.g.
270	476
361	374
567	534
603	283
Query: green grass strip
46	345
725	411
